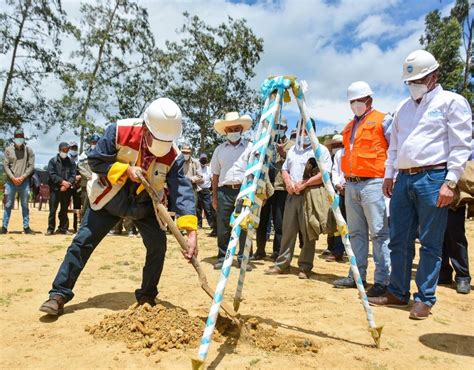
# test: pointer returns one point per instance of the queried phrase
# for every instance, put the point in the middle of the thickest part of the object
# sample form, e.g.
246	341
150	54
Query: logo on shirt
435	113
409	68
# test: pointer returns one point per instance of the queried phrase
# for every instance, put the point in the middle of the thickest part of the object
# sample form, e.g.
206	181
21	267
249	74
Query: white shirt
437	130
297	157
206	176
337	175
223	159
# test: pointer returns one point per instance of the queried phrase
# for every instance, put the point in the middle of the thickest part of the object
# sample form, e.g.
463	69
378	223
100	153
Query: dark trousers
205	203
335	244
455	248
57	198
225	206
94	227
76	204
275	208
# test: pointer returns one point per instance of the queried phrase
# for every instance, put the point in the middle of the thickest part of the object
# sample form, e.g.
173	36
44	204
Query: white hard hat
163	119
418	64
358	89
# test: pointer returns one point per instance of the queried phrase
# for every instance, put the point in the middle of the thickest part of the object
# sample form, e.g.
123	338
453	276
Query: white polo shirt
223	160
435	131
337	175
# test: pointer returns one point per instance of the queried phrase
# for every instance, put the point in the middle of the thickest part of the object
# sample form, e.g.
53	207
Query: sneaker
4	230
54	306
347	282
463	287
377	290
326	252
131	234
28	231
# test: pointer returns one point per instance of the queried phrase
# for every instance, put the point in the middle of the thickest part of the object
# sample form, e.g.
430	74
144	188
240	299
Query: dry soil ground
286	307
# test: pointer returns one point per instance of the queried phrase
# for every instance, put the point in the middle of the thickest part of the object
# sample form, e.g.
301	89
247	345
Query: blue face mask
73	153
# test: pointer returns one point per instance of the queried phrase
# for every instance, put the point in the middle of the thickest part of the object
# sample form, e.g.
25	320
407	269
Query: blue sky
330	44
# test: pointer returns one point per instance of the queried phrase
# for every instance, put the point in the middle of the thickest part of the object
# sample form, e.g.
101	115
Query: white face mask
334	150
186	157
417	90
306	140
160	148
19	141
358	108
73	153
233	137
63	155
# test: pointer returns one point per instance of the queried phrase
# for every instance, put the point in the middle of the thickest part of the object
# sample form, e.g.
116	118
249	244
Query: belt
415	170
358	178
233	186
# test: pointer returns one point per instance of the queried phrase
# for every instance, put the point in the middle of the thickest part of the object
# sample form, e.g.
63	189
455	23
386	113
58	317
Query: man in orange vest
365	140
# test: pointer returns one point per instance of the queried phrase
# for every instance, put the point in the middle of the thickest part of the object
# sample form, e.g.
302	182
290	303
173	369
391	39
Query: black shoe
377	290
63	232
347	282
28	231
212	234
248	268
151	301
258	256
4	230
448	282
49	232
463	287
218	265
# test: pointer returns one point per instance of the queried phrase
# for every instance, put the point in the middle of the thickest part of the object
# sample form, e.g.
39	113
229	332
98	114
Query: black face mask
203	161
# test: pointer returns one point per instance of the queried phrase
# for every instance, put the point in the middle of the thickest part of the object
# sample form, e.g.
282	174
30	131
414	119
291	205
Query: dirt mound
161	328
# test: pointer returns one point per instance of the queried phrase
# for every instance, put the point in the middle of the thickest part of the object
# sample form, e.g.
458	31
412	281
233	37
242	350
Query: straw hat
232	119
336	139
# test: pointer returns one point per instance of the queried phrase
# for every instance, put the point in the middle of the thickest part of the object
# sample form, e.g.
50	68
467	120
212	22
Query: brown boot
54	305
387	299
275	271
420	311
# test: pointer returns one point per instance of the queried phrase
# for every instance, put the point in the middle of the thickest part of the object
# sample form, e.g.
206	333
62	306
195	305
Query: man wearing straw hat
227	178
366	139
127	148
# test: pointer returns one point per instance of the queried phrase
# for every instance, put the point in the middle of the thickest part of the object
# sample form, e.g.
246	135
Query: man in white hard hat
430	145
227	178
114	191
365	140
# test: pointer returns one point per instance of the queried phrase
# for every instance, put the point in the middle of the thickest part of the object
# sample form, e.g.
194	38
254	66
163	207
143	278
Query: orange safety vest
369	149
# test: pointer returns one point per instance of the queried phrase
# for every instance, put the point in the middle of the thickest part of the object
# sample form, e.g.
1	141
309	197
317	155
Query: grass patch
13	255
105	267
254	362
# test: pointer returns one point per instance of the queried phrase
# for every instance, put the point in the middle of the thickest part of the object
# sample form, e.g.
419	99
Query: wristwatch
451	184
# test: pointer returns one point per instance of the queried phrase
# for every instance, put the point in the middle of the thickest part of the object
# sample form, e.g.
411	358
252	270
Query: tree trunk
8	81
90	88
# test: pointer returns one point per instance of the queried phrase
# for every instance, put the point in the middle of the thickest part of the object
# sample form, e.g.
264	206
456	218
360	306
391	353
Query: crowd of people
399	177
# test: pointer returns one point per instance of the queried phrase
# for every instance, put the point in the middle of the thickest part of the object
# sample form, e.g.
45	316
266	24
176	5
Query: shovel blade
376	334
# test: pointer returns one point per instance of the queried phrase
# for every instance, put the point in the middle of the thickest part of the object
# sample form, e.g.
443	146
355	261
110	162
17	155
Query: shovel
164	218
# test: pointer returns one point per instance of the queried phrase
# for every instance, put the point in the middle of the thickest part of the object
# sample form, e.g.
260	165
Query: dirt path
332	319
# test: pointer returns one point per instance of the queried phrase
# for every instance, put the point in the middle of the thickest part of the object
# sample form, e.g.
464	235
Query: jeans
10	192
57	198
225	206
413	207
94	227
365	209
455	248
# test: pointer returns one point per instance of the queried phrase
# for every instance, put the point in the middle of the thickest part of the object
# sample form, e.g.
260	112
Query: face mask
63	155
280	133
417	90
160	148
333	151
73	153
358	108
186	157
19	141
306	140
233	137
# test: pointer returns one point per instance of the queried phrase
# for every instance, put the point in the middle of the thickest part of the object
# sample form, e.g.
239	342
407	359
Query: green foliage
30	39
207	74
443	38
116	47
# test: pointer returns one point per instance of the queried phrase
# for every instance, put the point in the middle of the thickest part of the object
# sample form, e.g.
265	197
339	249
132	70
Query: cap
203	156
73	143
19	131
